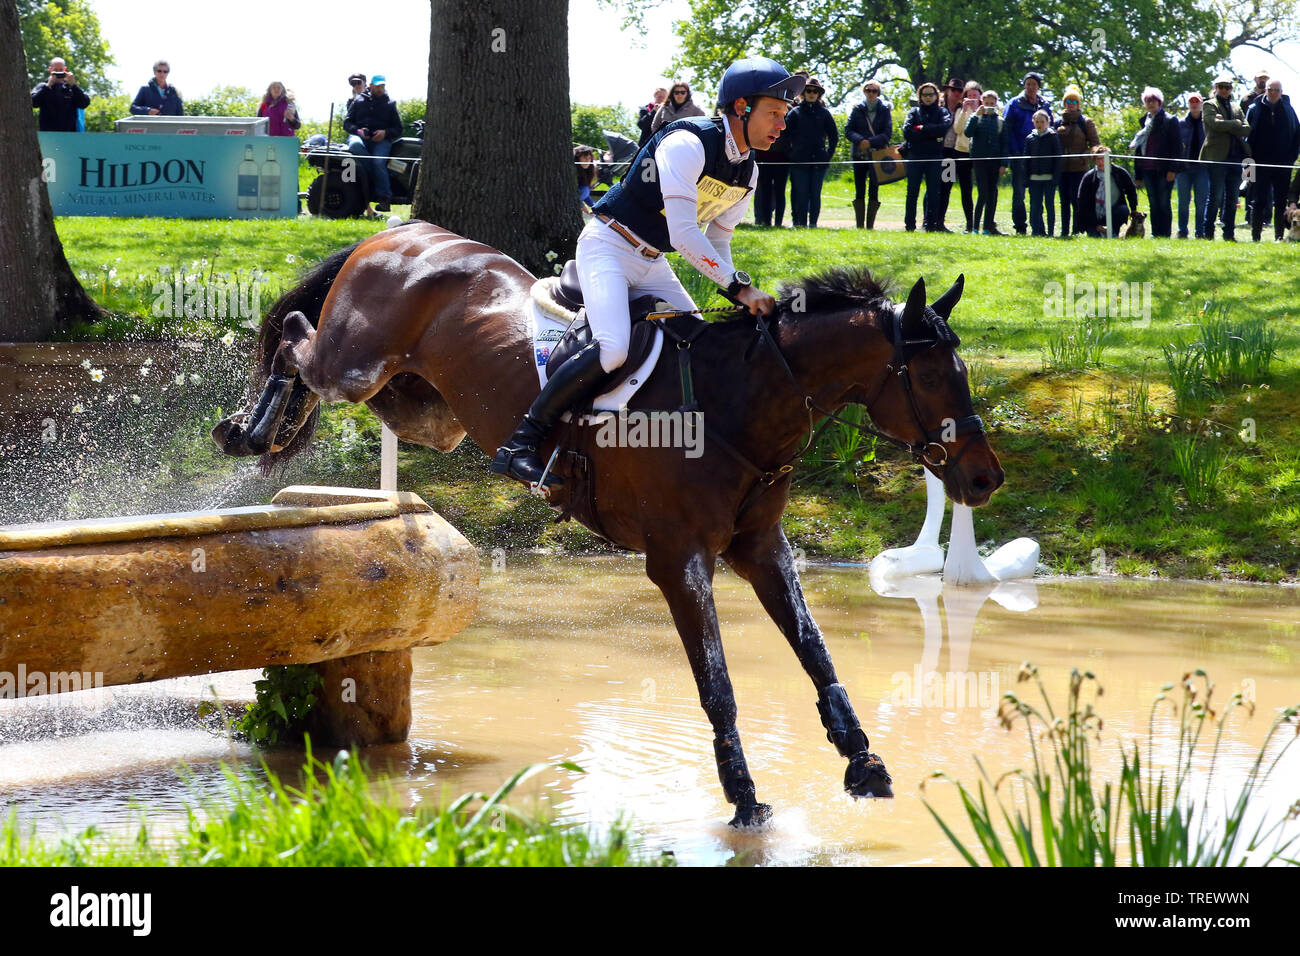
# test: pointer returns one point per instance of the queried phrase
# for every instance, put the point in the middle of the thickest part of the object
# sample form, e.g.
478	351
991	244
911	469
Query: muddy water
576	659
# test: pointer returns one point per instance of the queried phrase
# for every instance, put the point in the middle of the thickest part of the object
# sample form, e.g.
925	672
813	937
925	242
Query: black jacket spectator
1044	154
926	142
1123	190
859	128
644	117
166	102
813	133
1163	151
373	113
1274	131
1192	130
58	103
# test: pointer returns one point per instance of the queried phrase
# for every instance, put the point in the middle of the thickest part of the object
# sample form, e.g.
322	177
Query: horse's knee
295	338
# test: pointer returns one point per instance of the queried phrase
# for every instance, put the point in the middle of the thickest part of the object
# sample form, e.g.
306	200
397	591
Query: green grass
1058	814
1086	446
338	816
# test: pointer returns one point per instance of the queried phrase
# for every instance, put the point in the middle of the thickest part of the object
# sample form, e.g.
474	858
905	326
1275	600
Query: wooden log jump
346	579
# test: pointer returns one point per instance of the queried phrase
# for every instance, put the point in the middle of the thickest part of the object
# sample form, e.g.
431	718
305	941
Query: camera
59	73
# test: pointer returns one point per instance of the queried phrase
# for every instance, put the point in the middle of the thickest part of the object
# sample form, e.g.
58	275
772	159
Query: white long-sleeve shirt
680	162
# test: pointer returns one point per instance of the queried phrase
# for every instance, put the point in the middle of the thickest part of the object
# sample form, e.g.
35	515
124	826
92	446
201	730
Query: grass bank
1145	443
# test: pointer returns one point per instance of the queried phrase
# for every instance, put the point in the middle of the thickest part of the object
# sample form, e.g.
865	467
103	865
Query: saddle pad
547	330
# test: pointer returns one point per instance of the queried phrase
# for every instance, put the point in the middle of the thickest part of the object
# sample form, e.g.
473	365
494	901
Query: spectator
1043	157
158	97
1159	146
1193	180
58	98
1257	91
1090	210
773	172
987	131
813	138
584	162
279	108
970	105
1078	136
372	125
1274	143
679	105
1020	120
1293	196
646	115
357	83
954	95
924	129
1225	147
870	126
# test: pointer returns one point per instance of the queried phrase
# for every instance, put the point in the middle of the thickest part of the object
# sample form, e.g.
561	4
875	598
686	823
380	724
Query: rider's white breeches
610	271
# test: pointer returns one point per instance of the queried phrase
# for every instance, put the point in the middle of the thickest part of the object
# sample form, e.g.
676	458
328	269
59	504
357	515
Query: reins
763	334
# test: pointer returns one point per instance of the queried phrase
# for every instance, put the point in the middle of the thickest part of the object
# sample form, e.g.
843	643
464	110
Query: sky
309	47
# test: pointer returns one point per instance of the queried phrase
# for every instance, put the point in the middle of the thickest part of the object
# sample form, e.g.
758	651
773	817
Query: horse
429	329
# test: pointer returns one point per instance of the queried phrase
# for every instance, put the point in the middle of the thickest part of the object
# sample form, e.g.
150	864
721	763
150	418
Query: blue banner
188	177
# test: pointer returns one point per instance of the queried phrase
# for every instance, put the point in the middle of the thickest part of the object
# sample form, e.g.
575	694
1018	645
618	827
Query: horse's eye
929	379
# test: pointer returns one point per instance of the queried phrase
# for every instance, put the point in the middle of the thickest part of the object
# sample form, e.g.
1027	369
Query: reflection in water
576	659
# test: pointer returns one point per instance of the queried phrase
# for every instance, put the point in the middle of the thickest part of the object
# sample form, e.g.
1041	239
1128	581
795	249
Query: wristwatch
739	280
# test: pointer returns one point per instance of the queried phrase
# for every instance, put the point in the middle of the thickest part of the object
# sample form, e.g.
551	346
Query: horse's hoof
866	776
754	815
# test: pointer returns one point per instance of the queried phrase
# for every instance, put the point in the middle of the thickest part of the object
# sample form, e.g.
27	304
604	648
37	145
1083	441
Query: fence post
1110	216
388	460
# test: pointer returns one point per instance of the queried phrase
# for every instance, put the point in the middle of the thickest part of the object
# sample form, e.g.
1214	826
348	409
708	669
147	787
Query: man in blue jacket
158	97
1019	121
1274	143
373	125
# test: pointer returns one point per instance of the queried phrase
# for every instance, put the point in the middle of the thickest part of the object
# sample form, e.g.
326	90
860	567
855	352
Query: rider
685	191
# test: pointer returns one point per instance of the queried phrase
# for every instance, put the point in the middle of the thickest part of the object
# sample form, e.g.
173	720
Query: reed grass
1057	814
1199	464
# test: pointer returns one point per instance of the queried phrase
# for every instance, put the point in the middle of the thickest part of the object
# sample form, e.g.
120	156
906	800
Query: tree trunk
498	161
38	292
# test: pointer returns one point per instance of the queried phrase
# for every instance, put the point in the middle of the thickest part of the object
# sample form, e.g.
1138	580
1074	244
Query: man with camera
58	98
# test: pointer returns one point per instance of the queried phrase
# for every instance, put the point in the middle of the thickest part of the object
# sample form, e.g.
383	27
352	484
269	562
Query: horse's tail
307	297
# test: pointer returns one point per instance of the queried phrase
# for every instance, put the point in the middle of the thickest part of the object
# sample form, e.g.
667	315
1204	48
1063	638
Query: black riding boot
575	380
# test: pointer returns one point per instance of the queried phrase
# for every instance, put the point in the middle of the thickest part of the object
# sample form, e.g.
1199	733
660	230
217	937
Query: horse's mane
837	287
848	287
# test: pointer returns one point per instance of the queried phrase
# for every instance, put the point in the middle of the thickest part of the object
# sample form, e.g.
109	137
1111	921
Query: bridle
897	367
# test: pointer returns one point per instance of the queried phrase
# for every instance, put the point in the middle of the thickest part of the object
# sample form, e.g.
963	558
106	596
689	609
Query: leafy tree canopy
1111	49
70	29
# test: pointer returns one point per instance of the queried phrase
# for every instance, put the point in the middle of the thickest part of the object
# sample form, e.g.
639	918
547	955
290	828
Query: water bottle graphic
247	198
269	181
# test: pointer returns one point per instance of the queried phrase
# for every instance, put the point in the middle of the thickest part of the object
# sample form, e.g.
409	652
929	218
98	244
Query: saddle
567	293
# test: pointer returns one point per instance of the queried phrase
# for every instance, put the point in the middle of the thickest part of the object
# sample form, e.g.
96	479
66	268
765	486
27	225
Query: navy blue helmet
758	76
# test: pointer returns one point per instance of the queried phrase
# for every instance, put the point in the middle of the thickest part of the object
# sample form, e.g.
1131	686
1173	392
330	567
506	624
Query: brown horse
429	330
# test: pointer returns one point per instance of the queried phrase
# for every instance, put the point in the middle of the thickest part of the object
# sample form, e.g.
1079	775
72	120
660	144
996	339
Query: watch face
743	278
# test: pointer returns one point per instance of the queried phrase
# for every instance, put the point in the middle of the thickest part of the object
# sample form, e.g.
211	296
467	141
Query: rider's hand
378	135
757	301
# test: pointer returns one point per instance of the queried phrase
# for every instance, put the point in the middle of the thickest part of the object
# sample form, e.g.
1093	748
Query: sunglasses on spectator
162	71
682	92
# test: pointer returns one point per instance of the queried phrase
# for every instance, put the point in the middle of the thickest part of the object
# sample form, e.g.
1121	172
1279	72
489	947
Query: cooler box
195	125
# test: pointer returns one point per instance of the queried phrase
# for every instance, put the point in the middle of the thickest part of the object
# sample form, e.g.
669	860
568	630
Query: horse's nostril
981	482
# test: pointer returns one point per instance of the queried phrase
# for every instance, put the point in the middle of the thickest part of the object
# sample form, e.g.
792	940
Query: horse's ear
948	301
913	324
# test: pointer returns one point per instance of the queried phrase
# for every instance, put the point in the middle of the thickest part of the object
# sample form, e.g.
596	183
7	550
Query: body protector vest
638	203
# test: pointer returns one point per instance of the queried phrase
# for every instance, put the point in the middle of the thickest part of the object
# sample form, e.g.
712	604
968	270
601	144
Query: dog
1293	216
1136	227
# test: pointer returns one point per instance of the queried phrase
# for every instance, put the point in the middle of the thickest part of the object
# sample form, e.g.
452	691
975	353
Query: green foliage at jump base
334	817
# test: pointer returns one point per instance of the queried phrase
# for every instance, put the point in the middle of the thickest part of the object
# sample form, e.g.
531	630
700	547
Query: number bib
715	198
